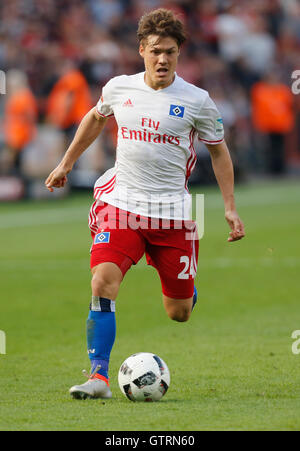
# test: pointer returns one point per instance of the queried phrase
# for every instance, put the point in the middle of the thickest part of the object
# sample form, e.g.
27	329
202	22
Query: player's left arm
223	169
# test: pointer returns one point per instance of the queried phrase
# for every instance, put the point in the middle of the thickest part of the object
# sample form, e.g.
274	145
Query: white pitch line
265	262
35	218
249	262
205	263
65	215
213	201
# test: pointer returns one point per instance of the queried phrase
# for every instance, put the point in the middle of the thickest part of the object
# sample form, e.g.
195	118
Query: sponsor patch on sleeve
219	129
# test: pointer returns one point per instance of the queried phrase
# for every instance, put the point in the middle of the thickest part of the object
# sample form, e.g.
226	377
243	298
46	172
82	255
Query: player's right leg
101	330
113	252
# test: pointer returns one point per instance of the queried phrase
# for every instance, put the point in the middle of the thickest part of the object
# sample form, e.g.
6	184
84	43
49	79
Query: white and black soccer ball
144	377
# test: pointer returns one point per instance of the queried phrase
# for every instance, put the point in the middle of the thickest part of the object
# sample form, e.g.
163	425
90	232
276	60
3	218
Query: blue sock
101	333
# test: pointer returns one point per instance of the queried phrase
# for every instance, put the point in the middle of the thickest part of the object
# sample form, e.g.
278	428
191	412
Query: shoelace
91	375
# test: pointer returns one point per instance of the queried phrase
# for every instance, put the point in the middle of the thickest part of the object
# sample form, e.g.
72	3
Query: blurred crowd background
57	55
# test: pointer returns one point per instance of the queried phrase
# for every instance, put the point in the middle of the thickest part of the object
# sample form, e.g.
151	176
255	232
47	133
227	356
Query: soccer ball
144	377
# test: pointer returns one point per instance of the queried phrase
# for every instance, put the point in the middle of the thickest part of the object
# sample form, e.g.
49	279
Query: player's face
160	58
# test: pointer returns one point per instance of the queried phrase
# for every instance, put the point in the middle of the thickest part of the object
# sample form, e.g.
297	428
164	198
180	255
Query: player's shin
101	333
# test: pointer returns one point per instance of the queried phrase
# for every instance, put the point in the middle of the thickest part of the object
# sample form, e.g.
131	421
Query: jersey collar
158	90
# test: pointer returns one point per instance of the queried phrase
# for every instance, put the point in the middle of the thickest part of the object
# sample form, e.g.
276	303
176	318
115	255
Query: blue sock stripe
99	304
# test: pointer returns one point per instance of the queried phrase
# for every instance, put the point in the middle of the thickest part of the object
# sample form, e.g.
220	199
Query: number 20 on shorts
189	269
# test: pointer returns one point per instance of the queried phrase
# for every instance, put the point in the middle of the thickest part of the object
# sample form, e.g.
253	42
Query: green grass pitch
232	366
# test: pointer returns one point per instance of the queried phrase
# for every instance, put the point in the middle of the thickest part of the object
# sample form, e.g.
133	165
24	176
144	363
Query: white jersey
155	154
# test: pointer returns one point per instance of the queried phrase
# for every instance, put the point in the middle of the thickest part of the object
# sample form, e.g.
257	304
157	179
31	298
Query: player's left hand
236	225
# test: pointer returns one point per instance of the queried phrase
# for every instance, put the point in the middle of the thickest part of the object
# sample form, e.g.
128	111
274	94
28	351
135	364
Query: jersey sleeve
209	123
104	106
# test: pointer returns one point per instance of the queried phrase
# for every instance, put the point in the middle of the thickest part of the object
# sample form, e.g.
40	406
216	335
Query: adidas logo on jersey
128	103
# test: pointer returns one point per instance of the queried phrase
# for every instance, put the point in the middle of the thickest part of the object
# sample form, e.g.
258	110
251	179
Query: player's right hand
57	179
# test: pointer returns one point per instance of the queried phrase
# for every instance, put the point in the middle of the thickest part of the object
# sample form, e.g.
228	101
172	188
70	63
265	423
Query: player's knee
181	315
104	286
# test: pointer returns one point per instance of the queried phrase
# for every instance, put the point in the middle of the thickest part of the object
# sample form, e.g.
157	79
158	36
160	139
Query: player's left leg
178	309
174	254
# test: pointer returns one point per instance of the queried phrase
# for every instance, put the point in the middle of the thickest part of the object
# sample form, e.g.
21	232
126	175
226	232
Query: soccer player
142	204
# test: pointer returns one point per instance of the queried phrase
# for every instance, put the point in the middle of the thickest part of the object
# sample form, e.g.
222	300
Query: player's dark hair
163	23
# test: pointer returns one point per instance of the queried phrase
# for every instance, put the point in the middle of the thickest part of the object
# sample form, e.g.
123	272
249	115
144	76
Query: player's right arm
89	129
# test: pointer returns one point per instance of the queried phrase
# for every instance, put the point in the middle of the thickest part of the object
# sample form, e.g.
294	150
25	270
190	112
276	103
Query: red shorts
171	247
